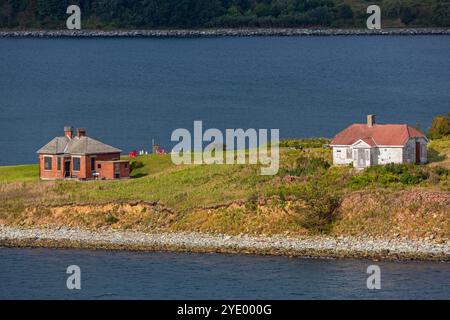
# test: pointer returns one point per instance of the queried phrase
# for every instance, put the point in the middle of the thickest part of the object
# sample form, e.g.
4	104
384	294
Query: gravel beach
198	33
319	247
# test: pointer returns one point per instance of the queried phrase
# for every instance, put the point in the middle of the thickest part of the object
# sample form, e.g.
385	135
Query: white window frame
51	163
73	167
348	153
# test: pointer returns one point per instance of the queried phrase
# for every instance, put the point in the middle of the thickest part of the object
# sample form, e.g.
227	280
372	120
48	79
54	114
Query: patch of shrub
407	174
440	171
136	165
360	181
322	203
413	178
394	168
111	219
308	165
387	178
252	202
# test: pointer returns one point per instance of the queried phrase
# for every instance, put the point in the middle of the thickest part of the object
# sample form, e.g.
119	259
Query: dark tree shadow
138	175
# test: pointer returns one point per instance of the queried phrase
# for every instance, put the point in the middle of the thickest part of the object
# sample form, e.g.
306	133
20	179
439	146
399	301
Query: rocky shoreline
198	33
317	247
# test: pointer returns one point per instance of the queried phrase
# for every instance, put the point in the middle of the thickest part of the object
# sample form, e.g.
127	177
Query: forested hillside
150	14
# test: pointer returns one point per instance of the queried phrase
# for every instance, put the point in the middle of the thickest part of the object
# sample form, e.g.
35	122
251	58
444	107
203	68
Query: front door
67	169
361	158
116	171
417	152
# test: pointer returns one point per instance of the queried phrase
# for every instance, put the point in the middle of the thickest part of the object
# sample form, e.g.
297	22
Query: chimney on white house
370	120
68	131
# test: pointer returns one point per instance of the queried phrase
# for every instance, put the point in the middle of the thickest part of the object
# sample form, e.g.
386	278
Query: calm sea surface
41	274
126	92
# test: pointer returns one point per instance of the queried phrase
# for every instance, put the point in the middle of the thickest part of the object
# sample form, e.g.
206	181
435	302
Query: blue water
41	274
127	91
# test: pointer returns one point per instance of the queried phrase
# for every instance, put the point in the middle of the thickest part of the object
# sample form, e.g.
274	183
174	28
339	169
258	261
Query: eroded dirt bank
380	214
376	224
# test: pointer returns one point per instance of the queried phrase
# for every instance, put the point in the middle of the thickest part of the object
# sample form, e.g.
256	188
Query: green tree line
147	14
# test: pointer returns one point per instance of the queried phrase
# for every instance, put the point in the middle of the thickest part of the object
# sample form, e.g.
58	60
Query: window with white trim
349	153
48	163
76	163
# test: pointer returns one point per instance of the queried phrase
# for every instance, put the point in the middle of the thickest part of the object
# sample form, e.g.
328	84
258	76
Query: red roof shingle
378	134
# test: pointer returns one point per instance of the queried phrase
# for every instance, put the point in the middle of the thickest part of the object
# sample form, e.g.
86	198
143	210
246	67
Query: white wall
385	155
340	155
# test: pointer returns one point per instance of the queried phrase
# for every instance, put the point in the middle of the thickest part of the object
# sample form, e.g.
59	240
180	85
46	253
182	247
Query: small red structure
80	157
132	154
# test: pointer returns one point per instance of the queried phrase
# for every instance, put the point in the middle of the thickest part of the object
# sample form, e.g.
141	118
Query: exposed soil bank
318	247
247	32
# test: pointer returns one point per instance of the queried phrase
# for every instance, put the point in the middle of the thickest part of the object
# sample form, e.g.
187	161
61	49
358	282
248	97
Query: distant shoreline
207	33
312	247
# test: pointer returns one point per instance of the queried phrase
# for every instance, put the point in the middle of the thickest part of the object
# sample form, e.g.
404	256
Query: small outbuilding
80	157
370	144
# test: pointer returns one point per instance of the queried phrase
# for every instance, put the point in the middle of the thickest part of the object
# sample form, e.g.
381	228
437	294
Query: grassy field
28	172
308	195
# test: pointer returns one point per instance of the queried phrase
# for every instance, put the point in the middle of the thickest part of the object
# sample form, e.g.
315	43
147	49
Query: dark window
99	166
58	163
126	165
76	164
48	163
92	164
349	153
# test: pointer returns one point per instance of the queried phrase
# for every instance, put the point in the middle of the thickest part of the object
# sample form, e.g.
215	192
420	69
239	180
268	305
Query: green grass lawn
27	172
439	152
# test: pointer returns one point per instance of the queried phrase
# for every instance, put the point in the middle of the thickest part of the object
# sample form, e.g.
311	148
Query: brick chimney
370	120
81	132
68	131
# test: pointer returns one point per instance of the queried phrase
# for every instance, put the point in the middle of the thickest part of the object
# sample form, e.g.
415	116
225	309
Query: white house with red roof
370	144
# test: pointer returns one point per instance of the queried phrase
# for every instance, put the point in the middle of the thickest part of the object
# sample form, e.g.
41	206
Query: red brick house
80	157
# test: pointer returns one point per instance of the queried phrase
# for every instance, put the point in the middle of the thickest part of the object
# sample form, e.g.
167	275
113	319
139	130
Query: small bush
396	168
322	203
440	171
110	219
387	178
252	202
360	181
136	165
308	165
413	178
